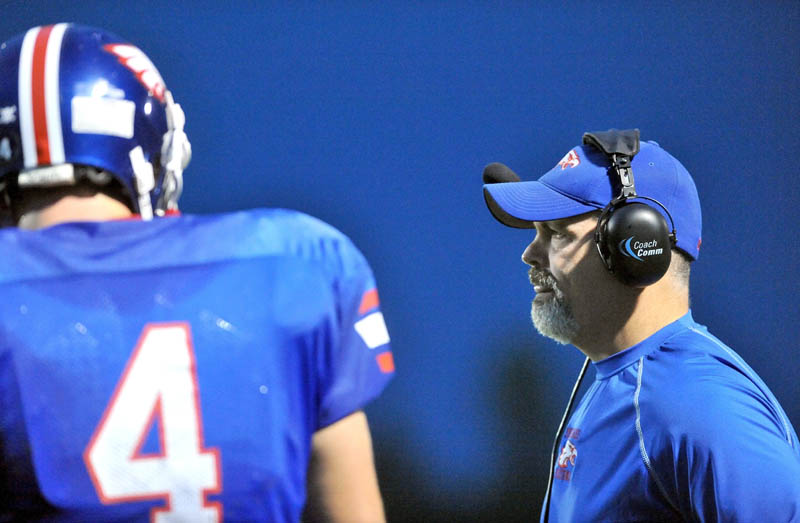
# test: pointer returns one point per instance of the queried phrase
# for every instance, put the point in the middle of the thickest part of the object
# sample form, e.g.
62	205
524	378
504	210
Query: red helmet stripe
38	96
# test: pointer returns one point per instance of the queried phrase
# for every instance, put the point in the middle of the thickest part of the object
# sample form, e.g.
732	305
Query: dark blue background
379	117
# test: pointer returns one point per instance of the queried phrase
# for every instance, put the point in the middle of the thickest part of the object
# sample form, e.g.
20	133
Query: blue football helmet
78	96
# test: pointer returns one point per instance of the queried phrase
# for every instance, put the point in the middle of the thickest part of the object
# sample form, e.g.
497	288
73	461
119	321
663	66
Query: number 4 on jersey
159	384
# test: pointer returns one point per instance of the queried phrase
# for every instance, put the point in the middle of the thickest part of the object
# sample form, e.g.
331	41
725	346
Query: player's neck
653	309
98	207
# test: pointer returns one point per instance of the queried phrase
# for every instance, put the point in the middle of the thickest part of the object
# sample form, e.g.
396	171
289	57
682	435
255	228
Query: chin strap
145	181
176	151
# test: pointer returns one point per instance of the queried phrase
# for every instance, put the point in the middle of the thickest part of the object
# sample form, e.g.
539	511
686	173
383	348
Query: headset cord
558	438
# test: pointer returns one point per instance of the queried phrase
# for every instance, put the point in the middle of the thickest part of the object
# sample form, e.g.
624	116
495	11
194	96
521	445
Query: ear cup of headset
635	244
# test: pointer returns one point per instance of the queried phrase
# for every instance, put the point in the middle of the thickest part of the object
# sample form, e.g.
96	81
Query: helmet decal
134	59
95	115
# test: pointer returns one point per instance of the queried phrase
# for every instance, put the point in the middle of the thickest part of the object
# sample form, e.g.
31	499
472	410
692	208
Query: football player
152	364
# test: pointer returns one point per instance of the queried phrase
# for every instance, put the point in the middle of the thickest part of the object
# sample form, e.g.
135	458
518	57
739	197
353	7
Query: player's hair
90	181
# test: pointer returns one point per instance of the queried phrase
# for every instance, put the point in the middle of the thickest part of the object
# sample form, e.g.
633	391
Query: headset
632	238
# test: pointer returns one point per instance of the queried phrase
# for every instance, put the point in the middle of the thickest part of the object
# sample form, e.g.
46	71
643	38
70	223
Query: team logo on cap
571	159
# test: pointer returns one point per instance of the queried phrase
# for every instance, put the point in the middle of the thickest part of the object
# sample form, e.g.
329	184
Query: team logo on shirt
568	455
571	159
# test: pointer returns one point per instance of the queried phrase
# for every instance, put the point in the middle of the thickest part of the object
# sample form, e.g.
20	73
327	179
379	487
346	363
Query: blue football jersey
177	369
677	428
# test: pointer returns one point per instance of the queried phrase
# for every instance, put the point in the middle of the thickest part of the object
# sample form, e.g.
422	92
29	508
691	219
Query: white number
159	381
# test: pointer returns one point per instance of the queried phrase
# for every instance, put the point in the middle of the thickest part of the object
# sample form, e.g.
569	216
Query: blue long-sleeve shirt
677	427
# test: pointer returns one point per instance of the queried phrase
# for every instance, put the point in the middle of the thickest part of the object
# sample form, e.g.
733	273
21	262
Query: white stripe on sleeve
372	330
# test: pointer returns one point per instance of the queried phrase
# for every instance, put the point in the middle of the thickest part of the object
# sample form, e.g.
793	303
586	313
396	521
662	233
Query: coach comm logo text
639	250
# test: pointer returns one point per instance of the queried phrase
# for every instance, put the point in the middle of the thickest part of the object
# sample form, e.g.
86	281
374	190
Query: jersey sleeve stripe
385	362
369	301
372	330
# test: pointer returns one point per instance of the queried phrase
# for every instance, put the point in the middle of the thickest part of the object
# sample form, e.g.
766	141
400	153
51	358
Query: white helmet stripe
40	108
25	94
52	98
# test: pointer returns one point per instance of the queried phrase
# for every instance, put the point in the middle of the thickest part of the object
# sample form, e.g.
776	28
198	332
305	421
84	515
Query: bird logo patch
571	159
566	461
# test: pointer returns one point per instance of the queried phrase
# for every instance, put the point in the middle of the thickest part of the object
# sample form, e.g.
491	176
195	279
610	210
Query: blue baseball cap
581	183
